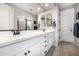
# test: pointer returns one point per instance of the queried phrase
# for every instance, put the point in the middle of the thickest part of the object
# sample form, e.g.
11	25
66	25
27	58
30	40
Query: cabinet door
6	17
31	51
34	50
44	49
44	45
50	40
22	53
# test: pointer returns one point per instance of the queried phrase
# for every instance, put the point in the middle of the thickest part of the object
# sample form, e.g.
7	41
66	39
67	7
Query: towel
76	30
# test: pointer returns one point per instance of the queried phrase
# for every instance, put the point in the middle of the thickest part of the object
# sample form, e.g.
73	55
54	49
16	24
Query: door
66	25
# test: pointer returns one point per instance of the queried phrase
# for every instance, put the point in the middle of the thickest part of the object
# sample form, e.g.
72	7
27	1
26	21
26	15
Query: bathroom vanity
28	43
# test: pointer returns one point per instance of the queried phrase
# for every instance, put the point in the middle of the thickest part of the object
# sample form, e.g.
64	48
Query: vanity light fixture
46	4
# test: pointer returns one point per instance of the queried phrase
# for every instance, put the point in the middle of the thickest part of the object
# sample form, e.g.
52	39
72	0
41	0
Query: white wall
11	18
6	17
56	17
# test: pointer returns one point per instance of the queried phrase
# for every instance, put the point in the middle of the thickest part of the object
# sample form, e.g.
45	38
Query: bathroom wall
6	17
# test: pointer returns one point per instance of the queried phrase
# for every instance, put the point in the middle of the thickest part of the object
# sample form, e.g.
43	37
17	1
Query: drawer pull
28	51
45	41
25	54
45	36
45	46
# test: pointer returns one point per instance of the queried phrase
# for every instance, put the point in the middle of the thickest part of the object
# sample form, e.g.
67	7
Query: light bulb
46	4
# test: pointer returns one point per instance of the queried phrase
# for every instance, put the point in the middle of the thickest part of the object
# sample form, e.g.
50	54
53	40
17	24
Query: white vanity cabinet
50	40
47	43
6	17
31	51
36	46
34	50
37	49
44	45
14	49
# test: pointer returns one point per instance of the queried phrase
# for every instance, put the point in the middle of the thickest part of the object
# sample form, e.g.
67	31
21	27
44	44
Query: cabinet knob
45	41
45	46
70	30
45	36
25	54
28	51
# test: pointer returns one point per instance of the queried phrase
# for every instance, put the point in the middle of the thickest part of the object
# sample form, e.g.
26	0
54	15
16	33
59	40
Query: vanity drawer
31	51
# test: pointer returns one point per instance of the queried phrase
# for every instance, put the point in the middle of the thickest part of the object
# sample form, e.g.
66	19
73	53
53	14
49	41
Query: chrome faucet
16	32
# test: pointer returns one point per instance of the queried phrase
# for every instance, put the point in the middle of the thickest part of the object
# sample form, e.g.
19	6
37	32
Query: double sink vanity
28	43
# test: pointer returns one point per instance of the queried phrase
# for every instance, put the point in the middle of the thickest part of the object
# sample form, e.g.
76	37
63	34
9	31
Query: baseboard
66	41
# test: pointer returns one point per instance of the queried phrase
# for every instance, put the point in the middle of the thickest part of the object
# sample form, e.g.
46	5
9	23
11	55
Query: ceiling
36	8
65	5
33	7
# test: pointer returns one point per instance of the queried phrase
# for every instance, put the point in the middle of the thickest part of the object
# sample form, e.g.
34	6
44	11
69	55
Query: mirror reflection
29	24
24	24
15	18
43	20
46	20
49	20
21	24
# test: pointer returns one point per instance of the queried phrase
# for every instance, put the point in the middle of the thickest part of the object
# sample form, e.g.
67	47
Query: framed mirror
43	20
12	19
49	19
24	24
46	20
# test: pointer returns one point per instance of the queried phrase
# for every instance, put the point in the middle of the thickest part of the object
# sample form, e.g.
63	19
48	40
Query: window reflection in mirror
49	20
46	20
43	20
21	24
24	24
29	24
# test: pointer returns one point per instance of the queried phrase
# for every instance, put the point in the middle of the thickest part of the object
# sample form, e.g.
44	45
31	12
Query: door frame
60	21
